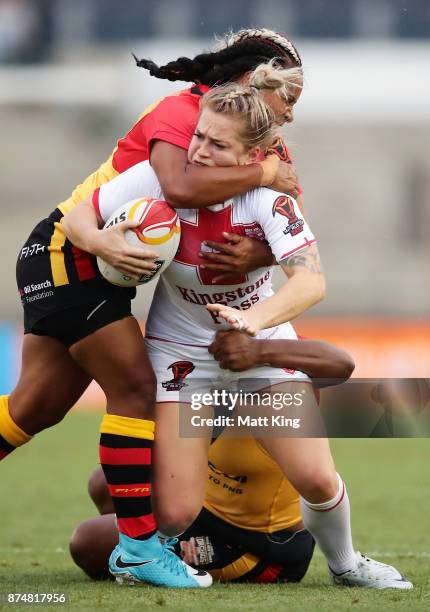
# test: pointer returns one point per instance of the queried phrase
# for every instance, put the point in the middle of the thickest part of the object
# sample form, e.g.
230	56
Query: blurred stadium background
69	89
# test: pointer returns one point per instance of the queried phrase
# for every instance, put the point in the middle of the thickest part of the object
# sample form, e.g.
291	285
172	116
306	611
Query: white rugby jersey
178	312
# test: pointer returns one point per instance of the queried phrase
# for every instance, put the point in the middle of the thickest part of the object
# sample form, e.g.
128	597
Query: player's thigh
180	466
116	357
306	461
50	384
284	556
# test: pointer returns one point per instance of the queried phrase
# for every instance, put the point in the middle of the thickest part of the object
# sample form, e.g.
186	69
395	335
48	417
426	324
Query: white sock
330	525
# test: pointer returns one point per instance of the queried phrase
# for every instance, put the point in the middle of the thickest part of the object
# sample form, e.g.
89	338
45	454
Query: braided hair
256	121
237	54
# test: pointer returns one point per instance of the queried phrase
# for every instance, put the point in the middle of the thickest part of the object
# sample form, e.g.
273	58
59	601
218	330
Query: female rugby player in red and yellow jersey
79	328
250	528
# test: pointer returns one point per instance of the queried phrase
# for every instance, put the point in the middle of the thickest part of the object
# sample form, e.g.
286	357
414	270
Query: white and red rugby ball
159	230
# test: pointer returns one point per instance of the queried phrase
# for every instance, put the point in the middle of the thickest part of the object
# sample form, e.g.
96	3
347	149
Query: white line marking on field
19	551
424	554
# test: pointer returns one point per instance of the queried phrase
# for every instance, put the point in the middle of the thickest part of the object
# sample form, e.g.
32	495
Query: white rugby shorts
183	370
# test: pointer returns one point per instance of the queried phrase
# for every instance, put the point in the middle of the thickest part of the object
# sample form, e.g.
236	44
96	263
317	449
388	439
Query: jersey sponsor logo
222	297
249	292
284	205
32	249
254	231
224	485
213	468
198	550
35	291
180	370
36	287
27	299
219	478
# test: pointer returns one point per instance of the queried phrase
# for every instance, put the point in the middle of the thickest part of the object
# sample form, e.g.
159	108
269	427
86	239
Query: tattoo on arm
308	258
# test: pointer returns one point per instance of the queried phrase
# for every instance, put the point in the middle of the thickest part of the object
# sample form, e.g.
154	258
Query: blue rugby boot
150	562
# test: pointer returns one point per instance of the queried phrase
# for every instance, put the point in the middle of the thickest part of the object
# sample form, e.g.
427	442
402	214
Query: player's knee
34	412
176	519
80	550
50	419
320	486
77	545
35	423
136	392
98	491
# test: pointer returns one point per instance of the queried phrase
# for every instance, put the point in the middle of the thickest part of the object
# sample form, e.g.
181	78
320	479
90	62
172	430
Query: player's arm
82	226
168	130
239	255
294	246
300	203
305	288
237	352
325	363
189	186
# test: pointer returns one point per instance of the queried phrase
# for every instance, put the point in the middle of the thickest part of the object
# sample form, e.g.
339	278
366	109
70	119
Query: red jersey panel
160	122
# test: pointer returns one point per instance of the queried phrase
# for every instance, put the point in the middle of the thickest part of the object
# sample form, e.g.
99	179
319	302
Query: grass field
43	495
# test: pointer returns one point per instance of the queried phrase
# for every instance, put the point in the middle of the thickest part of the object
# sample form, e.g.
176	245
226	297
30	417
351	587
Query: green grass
43	495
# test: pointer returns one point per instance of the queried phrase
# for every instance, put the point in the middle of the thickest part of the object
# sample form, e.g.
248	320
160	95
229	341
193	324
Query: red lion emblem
284	205
180	370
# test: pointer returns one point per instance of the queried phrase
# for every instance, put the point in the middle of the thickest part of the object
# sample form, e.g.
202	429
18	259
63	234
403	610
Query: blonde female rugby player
233	127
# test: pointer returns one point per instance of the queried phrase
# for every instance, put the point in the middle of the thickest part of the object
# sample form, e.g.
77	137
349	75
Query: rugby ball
159	230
